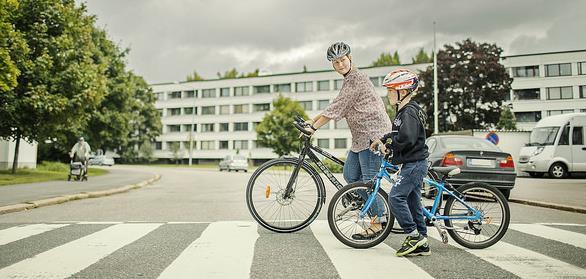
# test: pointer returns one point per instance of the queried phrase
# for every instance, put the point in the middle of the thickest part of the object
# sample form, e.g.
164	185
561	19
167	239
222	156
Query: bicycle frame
440	186
310	151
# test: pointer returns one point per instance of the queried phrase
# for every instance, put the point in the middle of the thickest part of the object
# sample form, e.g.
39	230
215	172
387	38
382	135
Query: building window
224	92
175	95
225	109
254	125
186	127
306	105
342	124
224	144
304	86
323	143
526	71
340	143
323	85
173	144
558	112
160	96
375	81
338	84
526	94
175	111
262	107
325	127
224	127
209	110
286	87
241	91
557	93
323	104
158	145
208	127
161	112
174	128
582	68
257	144
241	126
189	94
528	116
582	91
188	111
241	108
208	93
208	145
241	144
261	89
556	70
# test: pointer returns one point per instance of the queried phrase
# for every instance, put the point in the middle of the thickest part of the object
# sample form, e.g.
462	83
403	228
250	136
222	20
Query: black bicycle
286	194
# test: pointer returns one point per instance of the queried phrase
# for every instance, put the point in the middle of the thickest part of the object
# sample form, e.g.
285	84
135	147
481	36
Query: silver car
234	162
101	160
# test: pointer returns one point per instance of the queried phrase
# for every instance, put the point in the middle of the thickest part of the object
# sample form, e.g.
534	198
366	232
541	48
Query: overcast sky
169	39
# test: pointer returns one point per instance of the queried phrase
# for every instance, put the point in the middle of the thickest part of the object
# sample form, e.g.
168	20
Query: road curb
576	209
71	197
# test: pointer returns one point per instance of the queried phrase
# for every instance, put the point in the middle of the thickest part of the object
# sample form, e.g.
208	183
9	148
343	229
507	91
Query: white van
556	146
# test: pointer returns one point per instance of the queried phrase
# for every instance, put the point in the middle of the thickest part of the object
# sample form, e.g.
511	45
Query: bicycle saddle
450	171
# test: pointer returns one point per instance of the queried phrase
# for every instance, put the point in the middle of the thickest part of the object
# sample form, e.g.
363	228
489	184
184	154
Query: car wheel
558	170
536	174
506	193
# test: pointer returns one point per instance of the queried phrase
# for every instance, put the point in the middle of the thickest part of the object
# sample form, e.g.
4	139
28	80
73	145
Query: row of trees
230	74
472	87
61	78
388	59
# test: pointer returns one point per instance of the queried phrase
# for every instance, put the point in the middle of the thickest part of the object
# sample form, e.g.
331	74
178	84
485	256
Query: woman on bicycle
367	118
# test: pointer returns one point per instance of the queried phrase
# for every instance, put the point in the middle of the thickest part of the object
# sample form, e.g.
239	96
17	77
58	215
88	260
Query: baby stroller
77	171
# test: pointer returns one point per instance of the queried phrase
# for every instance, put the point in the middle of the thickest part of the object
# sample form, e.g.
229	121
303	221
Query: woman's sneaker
410	244
422	250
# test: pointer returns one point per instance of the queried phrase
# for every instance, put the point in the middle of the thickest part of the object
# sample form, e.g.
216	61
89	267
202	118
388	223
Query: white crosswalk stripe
21	232
68	259
520	261
219	244
226	249
572	238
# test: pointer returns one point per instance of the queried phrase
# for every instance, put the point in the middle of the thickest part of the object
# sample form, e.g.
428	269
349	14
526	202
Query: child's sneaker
422	250
410	244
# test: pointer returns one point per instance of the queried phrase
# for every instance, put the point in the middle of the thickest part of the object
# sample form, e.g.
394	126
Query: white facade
219	102
27	154
546	84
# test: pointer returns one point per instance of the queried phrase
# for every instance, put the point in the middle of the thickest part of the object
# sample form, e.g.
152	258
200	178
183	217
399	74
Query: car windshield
470	143
543	136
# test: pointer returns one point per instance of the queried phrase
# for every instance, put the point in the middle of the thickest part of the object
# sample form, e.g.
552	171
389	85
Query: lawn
46	171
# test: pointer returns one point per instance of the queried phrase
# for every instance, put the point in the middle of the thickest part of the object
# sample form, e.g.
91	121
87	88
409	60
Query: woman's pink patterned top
363	109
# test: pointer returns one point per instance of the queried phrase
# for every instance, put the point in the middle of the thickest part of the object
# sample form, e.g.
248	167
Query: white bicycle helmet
337	50
401	79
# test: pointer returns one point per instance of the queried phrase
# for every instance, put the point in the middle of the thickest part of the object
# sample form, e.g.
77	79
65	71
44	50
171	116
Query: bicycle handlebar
301	125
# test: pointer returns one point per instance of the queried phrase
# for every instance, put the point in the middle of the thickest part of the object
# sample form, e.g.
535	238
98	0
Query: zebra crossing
241	249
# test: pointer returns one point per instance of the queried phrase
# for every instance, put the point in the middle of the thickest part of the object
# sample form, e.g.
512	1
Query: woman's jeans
363	167
405	197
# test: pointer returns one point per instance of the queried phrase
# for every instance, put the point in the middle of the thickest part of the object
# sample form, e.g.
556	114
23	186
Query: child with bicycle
407	142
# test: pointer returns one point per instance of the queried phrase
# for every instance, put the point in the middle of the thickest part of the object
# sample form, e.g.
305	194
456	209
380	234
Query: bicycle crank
442	233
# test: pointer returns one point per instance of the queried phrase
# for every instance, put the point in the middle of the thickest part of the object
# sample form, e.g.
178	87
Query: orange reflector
268	191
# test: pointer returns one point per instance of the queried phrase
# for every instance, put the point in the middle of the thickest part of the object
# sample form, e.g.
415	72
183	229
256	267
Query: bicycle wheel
265	201
344	219
478	234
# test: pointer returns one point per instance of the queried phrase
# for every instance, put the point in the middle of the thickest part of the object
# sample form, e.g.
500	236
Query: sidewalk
119	176
566	192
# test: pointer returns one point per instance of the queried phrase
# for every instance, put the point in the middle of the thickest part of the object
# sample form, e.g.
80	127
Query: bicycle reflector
267	191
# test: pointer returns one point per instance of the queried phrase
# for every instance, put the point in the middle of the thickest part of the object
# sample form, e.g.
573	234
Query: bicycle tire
254	188
498	197
358	244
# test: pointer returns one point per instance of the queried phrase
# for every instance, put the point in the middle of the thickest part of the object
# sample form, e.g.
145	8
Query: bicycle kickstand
442	233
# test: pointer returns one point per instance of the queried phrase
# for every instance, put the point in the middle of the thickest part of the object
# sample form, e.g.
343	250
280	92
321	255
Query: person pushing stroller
80	152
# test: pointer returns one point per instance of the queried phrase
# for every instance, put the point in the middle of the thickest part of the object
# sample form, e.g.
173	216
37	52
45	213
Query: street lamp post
191	127
435	90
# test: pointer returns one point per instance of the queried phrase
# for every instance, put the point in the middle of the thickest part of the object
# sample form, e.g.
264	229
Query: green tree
193	77
229	74
387	59
422	57
146	152
59	81
12	48
251	74
276	129
472	85
507	119
175	151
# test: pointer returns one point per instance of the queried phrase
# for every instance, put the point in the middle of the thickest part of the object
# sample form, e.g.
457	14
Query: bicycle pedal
444	236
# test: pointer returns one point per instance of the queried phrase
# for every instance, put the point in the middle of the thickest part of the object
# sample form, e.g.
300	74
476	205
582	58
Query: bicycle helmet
337	50
401	79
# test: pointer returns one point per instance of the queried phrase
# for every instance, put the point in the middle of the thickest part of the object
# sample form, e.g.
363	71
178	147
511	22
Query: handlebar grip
299	119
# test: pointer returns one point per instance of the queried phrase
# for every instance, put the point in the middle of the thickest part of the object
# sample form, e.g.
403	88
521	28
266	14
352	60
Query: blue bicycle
475	215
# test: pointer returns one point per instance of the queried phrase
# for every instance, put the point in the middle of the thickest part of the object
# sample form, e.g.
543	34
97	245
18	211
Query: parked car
556	146
101	160
234	162
479	160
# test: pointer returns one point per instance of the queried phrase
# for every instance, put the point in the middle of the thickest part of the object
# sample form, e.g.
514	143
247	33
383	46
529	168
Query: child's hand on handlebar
377	145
